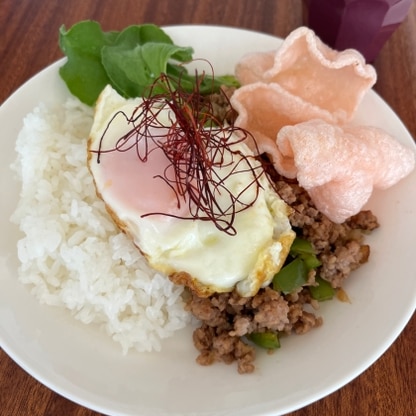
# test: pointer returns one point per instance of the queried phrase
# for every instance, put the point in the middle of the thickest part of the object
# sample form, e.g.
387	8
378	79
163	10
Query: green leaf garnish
83	72
130	60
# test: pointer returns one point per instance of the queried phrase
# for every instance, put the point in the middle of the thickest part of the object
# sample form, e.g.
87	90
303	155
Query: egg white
195	251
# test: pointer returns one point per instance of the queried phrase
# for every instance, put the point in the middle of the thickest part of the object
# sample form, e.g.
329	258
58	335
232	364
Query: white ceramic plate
82	364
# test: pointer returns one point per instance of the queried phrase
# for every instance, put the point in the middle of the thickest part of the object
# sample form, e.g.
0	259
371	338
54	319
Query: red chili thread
195	143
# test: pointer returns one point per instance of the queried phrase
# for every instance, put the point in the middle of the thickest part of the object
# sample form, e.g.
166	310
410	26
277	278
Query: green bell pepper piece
267	340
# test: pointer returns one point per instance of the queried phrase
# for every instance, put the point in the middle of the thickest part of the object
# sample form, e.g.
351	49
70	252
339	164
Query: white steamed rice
72	254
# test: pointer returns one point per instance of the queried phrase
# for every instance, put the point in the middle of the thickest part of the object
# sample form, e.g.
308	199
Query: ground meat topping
221	107
339	247
228	319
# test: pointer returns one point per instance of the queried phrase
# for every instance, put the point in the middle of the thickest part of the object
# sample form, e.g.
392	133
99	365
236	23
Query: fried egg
192	251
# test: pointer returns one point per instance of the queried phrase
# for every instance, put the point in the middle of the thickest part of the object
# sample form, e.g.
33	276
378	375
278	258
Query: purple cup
364	25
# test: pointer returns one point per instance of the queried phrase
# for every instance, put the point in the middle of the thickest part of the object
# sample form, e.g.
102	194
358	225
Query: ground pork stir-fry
227	319
339	246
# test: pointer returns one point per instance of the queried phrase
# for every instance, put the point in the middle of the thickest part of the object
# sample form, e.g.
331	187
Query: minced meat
339	247
227	318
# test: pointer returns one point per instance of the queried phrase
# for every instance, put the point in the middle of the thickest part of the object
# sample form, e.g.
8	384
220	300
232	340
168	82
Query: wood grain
28	43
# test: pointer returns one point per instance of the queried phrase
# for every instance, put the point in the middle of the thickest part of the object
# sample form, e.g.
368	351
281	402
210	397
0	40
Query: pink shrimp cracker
311	71
263	109
340	166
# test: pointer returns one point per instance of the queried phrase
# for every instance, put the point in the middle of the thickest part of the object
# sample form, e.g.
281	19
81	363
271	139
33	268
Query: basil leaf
130	61
135	35
83	72
132	71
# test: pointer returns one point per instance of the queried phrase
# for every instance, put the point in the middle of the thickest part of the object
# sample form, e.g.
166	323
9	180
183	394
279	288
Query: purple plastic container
360	24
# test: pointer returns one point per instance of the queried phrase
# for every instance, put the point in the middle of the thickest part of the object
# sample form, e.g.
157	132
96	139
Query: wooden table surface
28	43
